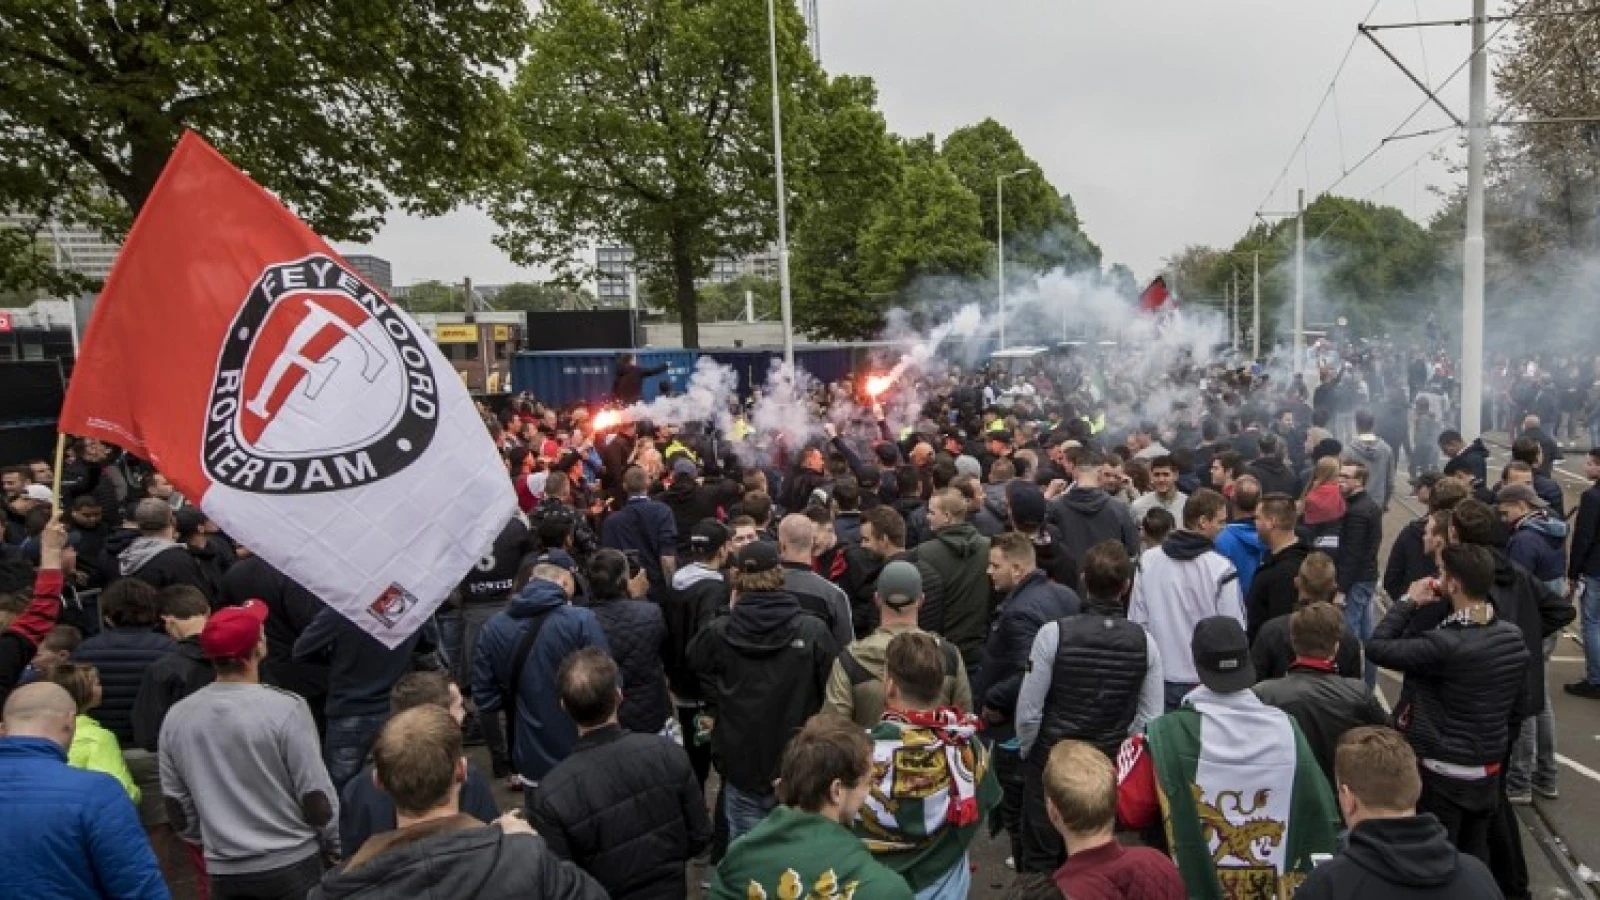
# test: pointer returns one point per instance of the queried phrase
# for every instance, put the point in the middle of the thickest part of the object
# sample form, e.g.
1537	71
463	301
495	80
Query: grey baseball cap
899	585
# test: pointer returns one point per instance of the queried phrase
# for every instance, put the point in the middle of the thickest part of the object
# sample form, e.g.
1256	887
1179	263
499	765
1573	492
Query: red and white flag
1155	295
314	421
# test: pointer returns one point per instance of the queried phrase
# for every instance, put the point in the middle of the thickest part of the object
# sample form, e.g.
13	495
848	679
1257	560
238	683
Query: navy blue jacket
122	655
70	833
364	810
1017	620
1538	544
544	733
361	670
648	528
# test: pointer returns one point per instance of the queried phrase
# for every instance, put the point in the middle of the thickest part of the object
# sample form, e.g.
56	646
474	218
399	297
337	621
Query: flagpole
61	449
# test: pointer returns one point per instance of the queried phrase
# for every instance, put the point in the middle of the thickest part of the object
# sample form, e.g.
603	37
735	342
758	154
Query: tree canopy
650	125
340	107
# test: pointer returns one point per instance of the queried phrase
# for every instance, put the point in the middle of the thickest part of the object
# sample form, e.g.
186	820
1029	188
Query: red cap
233	631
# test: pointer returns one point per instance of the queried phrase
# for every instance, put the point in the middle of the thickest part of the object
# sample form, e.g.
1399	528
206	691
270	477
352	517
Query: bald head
795	534
41	710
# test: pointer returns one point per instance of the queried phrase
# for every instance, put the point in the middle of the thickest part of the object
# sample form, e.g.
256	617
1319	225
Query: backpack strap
853	667
519	662
952	658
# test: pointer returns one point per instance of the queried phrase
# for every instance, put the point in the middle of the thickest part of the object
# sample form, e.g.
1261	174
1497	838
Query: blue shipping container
568	377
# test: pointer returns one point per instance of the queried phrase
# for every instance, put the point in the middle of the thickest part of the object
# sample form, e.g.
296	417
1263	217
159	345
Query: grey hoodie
140	552
1373	452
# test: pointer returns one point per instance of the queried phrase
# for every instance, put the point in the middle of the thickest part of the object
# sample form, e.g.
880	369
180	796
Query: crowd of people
825	663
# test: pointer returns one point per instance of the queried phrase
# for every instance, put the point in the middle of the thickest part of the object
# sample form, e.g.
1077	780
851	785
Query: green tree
649	124
929	227
1042	229
541	297
850	171
434	297
340	107
724	302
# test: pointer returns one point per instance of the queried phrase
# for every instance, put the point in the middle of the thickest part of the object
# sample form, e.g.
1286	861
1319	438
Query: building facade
73	248
375	269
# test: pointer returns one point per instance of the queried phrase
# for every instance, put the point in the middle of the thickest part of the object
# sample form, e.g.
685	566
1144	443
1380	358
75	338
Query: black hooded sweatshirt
1087	516
1400	859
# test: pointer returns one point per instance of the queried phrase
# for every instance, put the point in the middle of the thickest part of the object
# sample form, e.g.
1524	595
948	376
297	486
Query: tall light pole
1255	316
784	307
1300	285
1000	245
1473	250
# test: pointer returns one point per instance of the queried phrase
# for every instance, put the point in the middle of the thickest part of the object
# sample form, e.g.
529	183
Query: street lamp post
1000	245
784	297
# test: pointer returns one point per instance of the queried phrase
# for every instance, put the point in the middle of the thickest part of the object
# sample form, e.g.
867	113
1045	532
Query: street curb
1555	850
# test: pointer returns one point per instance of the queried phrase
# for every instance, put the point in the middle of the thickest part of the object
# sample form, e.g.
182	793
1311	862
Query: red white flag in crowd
312	420
1155	296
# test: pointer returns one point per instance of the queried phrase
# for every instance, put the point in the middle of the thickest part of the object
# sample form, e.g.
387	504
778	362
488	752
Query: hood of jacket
1272	465
693	574
1184	545
1245	533
1544	523
762	622
1415	851
1369	447
1292	555
1086	501
140	552
1324	503
537	597
961	540
905	506
119	539
451	857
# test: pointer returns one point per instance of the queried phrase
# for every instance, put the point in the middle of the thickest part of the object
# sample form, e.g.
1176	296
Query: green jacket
797	855
96	749
961	557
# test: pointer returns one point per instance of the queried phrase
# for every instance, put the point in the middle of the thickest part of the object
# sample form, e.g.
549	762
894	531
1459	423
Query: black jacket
173	677
172	565
122	655
961	557
1326	705
1275	476
1087	516
290	611
1099	669
1017	621
1272	591
1464	685
1053	558
1408	561
860	583
798	487
1474	458
1584	558
361	669
365	810
690	502
699	594
1360	534
1273	652
491	580
629	384
456	857
637	632
628	810
1400	859
763	671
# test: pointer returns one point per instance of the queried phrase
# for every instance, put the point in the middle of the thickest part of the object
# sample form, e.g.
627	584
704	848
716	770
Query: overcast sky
1167	121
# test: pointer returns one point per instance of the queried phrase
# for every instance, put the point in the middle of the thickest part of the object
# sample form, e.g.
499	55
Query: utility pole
784	299
1300	285
1233	323
1472	252
1255	319
1000	246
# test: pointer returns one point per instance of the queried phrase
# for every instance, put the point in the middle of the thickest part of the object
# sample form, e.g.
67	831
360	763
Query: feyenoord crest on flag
310	418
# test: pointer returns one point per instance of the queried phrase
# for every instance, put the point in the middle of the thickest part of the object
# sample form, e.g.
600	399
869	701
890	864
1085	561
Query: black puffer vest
1100	665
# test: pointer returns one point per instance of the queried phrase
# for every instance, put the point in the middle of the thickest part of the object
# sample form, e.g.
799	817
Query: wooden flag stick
61	449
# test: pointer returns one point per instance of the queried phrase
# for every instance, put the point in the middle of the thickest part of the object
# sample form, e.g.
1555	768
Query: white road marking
1578	767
